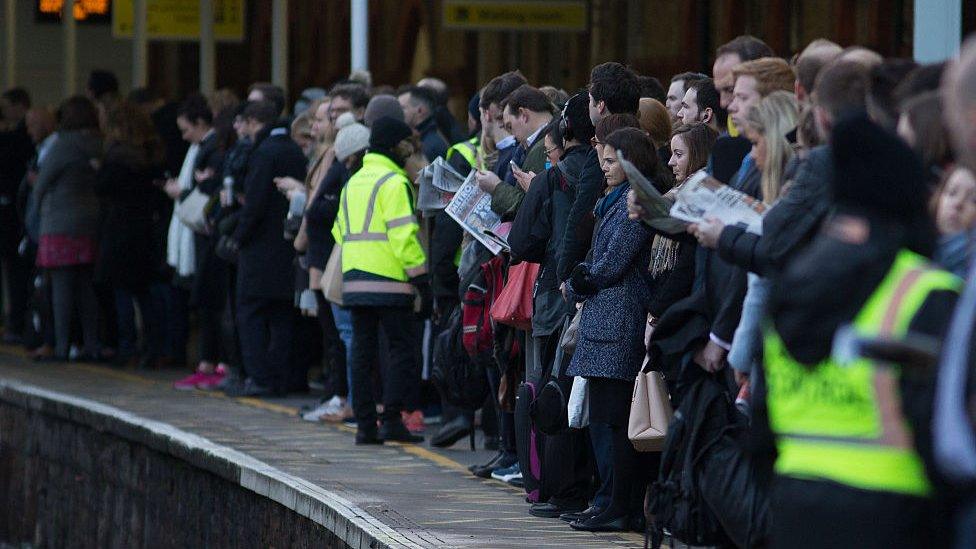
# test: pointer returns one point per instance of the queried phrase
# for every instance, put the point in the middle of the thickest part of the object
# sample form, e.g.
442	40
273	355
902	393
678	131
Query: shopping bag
579	403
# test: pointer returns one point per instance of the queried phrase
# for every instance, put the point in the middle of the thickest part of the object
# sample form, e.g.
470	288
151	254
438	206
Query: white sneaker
332	406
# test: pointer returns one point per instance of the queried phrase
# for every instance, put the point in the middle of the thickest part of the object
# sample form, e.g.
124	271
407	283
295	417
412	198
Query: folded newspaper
471	208
699	197
702	196
437	184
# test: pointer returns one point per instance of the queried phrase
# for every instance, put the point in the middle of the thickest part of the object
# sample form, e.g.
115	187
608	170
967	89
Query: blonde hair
773	117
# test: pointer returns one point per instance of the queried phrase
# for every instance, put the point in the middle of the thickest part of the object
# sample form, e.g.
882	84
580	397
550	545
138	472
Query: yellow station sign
517	16
180	19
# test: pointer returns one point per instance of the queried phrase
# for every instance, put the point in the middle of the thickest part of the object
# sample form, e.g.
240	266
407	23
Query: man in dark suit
265	284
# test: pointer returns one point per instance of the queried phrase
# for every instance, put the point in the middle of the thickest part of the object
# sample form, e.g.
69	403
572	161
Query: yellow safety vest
377	229
844	422
468	149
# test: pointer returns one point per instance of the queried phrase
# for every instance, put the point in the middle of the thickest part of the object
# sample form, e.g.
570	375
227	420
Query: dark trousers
72	290
809	513
603	456
566	465
401	375
125	306
506	420
333	348
211	349
16	280
266	329
632	472
178	323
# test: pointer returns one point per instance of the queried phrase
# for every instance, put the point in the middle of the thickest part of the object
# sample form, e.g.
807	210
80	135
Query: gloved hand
228	249
580	280
426	295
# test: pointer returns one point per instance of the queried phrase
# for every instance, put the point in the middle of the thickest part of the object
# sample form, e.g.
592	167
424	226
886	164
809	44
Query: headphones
565	126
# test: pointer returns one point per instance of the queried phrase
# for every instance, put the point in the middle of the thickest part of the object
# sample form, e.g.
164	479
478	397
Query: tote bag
650	411
514	304
192	211
331	280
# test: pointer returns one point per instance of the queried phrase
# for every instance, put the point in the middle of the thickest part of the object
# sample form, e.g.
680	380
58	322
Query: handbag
331	281
571	333
578	407
192	211
514	304
650	411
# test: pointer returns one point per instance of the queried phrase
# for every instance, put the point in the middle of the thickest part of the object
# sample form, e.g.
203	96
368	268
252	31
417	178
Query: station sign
180	19
567	16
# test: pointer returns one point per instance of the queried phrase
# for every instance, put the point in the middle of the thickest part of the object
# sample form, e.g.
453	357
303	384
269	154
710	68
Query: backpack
461	379
478	330
676	501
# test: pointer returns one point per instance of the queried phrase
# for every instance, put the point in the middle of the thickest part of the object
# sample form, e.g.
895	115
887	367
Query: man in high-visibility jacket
383	270
851	431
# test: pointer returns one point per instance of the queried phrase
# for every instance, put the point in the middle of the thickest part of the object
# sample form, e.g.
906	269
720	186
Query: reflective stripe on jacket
844	422
377	229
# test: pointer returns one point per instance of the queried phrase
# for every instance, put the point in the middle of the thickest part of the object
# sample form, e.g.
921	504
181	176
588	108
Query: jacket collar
381	161
271	130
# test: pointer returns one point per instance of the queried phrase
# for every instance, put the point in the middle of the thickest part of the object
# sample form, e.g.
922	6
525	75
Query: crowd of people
817	366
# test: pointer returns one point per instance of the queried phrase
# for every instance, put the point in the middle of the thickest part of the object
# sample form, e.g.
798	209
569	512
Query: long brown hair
125	123
638	149
699	138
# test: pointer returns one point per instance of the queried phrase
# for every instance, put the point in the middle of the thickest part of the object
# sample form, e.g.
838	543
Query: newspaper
703	196
437	183
657	207
471	208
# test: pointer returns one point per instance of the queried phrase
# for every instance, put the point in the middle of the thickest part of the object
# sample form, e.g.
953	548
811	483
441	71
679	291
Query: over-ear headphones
565	126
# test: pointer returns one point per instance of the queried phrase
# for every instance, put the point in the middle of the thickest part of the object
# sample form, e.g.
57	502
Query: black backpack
676	500
461	379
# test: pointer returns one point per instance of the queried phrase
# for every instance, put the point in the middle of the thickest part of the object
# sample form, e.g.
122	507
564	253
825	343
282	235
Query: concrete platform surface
421	496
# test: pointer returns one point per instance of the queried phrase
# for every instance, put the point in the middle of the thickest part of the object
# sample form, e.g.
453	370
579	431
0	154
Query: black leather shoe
603	524
395	430
504	461
550	510
451	432
489	463
367	436
583	515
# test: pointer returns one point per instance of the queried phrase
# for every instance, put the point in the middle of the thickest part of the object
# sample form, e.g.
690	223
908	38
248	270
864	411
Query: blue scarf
605	203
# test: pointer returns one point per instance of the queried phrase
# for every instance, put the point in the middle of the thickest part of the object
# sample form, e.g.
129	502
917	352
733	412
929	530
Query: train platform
390	496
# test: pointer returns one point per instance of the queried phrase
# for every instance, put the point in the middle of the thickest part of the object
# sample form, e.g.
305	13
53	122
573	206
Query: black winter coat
124	185
265	264
578	234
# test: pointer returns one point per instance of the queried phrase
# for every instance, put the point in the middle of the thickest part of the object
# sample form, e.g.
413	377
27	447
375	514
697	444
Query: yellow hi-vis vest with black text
844	422
377	229
468	149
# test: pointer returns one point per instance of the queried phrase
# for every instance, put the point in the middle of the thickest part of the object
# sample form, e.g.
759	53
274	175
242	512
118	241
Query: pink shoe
212	381
191	381
414	421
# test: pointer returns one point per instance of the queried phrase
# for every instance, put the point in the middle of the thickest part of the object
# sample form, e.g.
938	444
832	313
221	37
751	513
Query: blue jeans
343	322
746	352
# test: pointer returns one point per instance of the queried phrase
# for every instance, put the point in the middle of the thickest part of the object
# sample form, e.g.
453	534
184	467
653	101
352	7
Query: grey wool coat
65	187
611	329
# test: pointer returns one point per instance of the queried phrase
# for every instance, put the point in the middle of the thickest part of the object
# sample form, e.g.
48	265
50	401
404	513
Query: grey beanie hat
380	106
352	137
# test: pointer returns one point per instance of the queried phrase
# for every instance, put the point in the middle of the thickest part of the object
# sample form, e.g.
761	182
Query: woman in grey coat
615	291
65	195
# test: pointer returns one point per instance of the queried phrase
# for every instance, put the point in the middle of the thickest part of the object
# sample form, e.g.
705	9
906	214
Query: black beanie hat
876	172
576	115
473	105
387	132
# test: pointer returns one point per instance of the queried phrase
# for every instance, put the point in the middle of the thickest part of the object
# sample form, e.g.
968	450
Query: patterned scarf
664	251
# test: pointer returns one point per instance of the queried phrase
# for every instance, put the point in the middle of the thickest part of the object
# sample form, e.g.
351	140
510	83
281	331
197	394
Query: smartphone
514	165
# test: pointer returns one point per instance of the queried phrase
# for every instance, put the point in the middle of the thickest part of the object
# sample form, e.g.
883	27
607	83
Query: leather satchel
332	276
514	304
192	211
650	412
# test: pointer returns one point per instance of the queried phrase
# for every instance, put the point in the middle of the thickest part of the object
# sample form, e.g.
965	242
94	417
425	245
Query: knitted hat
387	132
380	106
876	172
352	137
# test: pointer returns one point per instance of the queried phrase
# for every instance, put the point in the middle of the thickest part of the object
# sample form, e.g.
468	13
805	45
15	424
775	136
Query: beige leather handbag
650	412
332	276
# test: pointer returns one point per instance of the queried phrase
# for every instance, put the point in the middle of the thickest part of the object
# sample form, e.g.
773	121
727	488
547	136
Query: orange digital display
85	10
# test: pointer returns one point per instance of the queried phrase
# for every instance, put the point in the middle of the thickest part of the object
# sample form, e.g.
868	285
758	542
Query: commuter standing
383	266
265	284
